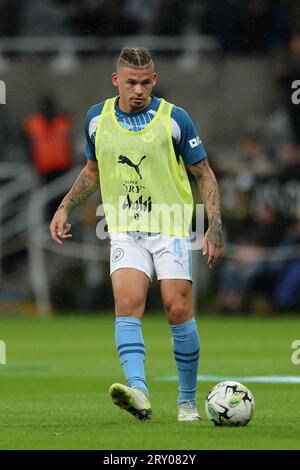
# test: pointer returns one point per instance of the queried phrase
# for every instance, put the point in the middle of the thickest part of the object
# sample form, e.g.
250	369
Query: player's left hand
213	245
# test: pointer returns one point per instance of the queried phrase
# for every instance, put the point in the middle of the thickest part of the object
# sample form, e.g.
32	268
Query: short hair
135	57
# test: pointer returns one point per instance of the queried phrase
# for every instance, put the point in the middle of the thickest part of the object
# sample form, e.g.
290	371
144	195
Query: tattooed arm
85	185
213	242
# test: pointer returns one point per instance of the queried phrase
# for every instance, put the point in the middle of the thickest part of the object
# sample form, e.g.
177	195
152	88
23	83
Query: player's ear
154	79
115	79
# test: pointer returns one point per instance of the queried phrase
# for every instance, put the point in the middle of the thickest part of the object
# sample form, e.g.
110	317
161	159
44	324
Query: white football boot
188	412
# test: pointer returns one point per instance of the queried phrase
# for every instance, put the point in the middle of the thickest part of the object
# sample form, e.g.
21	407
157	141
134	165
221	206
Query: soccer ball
229	404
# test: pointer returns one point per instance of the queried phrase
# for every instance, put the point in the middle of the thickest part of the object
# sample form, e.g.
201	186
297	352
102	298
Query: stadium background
231	64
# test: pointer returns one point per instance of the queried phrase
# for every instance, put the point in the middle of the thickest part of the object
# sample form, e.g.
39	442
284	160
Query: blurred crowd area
238	25
260	193
259	179
258	173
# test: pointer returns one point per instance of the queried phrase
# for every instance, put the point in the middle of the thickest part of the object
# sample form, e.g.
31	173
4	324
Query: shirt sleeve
186	139
90	128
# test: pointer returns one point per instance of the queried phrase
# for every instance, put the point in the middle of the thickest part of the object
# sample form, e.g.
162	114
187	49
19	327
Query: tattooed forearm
209	190
215	234
85	185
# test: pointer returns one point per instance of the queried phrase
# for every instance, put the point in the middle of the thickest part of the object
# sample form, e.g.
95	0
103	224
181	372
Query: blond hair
136	57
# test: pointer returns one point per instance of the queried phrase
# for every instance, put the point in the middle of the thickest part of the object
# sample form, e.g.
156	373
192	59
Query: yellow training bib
144	188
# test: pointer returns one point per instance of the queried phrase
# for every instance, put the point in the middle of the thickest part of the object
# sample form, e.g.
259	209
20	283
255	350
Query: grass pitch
54	388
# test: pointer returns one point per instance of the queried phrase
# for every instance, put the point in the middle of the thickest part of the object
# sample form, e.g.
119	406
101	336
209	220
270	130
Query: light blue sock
186	352
131	350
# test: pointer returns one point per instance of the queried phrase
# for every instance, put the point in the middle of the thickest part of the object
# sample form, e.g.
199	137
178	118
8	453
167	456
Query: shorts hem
131	267
184	278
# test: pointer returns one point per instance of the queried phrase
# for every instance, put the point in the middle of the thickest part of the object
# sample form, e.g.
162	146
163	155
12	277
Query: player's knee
178	314
129	306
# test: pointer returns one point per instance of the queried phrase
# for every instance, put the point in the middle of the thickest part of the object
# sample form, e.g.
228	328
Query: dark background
231	65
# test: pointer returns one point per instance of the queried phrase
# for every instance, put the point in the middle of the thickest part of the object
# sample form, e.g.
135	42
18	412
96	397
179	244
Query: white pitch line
268	379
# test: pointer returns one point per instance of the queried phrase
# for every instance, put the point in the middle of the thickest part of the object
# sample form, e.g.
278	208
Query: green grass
54	390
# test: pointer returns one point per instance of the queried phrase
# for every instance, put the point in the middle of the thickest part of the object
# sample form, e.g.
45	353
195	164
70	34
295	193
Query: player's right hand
59	227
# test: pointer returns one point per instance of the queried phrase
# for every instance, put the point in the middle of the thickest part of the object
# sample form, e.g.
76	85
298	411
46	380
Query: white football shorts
169	256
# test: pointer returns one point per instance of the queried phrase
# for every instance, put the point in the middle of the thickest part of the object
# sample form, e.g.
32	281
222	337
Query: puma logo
179	262
127	161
